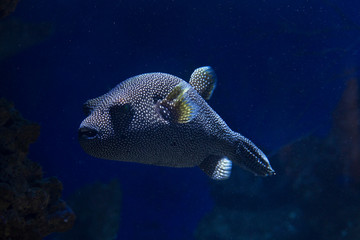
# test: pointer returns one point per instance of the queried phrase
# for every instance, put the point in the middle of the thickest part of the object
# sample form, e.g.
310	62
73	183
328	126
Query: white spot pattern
130	128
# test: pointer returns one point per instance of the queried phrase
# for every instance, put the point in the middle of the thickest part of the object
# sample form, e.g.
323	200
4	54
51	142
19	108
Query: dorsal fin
204	81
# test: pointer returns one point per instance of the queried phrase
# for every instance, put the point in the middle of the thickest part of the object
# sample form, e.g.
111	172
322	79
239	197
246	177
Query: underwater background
287	79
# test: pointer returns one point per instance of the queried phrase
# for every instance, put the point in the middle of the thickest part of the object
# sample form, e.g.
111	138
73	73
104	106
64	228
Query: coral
313	196
7	6
30	206
98	208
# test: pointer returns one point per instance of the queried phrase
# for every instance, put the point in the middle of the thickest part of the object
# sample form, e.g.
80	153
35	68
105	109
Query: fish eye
126	108
121	115
120	109
87	110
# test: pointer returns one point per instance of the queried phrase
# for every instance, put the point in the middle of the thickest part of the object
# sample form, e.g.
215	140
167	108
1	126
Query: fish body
160	119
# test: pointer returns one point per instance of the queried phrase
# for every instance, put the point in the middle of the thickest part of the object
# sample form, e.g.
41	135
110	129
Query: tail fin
252	158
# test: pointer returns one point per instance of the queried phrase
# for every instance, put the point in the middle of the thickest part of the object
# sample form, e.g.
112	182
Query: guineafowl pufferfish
160	119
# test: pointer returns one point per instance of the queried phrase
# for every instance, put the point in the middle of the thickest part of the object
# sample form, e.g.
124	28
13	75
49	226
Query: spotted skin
127	124
204	81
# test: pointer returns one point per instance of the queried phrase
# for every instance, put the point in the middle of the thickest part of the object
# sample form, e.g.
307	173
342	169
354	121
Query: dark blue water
281	65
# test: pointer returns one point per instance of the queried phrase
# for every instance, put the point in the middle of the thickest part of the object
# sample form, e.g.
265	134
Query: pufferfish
160	119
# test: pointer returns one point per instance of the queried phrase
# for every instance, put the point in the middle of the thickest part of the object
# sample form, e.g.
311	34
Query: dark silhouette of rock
315	194
30	206
346	131
98	208
7	7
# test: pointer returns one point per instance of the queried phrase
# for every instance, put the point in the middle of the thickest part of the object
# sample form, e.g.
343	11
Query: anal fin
218	168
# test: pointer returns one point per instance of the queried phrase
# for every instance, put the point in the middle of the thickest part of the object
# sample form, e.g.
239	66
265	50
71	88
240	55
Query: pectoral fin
177	106
218	168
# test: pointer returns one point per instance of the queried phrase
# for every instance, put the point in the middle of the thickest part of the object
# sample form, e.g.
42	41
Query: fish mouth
87	133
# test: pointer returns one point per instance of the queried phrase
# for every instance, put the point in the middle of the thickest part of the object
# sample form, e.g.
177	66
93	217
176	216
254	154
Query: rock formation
30	205
98	208
315	194
7	7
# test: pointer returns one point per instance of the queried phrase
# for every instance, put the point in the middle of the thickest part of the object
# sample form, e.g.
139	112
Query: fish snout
87	133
